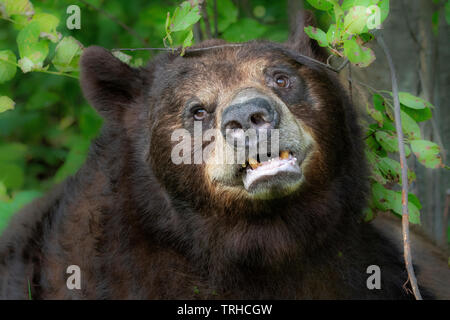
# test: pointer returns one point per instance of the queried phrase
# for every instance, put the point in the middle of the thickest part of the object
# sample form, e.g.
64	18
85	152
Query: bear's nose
256	113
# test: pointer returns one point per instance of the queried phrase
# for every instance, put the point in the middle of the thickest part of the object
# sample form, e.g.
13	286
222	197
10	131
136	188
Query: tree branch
404	168
205	19
216	28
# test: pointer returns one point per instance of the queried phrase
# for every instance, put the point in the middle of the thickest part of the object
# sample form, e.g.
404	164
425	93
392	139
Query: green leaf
184	17
384	7
187	42
6	104
366	37
356	20
392	171
410	127
378	102
324	5
427	153
388	125
12	7
32	51
418	114
67	55
47	26
358	55
387	141
410	101
376	174
413	199
414	212
318	35
7	65
375	114
333	35
385	199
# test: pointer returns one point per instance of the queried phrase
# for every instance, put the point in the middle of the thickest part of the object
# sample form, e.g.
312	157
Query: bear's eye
282	81
200	114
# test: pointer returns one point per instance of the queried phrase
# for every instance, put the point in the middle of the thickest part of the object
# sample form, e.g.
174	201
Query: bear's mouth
274	174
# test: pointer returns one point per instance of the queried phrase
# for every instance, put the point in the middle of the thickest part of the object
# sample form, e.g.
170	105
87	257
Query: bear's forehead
215	75
227	66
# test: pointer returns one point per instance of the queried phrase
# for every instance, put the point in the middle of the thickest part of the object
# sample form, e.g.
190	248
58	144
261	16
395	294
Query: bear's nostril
233	125
258	119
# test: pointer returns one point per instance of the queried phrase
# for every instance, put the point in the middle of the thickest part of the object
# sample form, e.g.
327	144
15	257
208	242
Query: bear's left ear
107	83
299	40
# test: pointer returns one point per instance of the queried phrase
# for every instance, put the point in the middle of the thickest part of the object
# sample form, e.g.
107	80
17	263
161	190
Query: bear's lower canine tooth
284	154
253	163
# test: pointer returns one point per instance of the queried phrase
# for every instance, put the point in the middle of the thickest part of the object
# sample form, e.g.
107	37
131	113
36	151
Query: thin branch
117	21
342	66
206	19
42	71
350	86
198	35
325	65
178	49
216	27
404	169
408	25
143	49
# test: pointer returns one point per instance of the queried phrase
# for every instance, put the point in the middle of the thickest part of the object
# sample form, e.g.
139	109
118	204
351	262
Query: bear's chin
273	180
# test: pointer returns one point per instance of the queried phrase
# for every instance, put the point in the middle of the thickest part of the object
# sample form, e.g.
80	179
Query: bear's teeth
284	154
253	163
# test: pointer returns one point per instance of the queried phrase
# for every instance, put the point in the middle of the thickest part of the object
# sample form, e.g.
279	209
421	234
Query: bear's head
255	147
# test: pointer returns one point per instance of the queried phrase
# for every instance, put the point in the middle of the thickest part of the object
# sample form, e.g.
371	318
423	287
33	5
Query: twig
178	49
42	71
216	27
350	86
404	168
111	17
408	25
445	217
298	55
206	19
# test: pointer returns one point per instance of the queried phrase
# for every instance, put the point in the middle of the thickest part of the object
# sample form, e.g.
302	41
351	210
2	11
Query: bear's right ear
109	84
299	41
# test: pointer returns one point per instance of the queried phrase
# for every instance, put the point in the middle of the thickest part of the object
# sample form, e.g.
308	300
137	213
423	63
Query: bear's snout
249	110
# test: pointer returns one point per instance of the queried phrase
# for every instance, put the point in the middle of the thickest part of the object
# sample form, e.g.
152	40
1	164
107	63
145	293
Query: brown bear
139	224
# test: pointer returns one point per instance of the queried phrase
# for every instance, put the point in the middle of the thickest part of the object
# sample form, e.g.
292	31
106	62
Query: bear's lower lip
273	173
